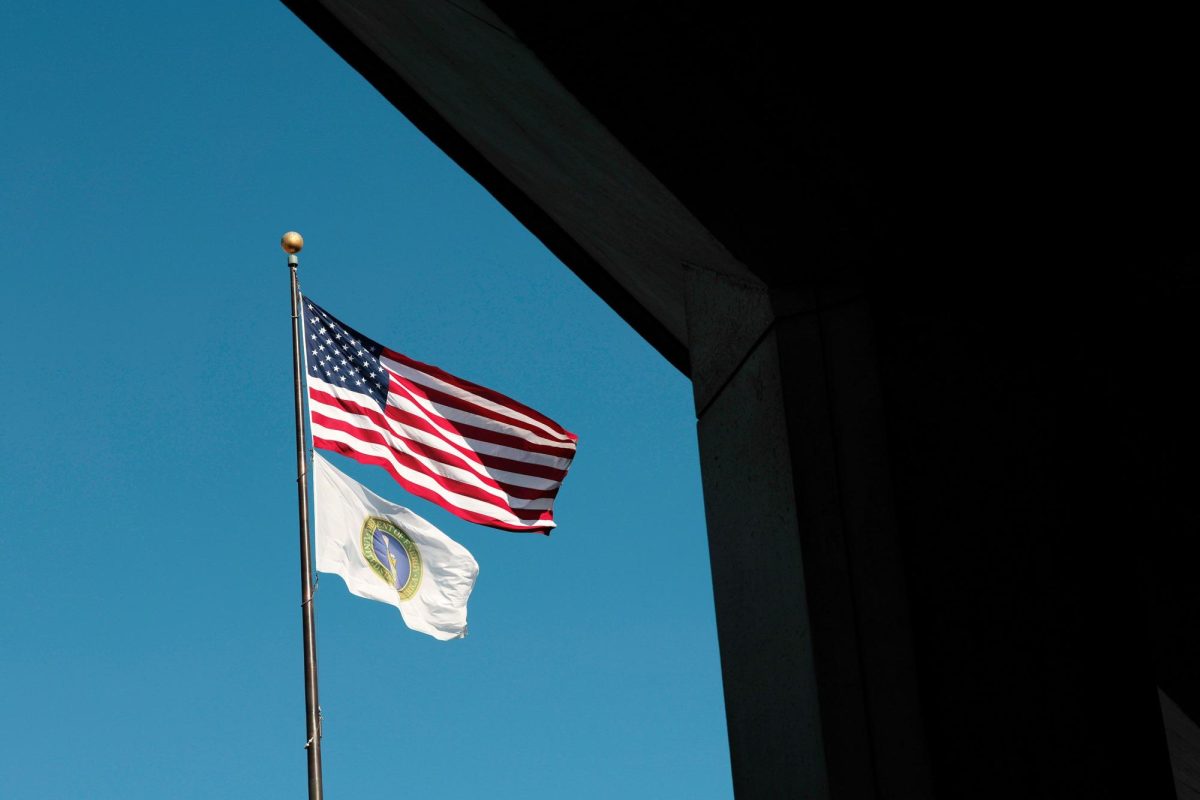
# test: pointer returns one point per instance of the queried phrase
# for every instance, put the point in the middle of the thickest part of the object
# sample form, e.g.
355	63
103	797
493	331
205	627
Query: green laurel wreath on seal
384	571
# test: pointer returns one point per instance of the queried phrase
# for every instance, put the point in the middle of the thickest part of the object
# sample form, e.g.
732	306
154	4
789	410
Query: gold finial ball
292	243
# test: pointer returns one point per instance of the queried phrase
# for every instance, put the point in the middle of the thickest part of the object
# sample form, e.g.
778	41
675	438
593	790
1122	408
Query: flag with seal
387	553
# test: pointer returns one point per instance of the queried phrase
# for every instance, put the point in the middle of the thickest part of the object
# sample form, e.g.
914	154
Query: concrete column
820	688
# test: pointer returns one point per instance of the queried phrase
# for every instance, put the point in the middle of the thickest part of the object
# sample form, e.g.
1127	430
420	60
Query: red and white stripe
478	454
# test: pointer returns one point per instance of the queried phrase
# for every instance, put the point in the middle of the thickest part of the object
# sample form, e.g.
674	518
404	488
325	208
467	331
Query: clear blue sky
151	155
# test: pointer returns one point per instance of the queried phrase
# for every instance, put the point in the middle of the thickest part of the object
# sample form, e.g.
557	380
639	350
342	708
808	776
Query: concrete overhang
636	142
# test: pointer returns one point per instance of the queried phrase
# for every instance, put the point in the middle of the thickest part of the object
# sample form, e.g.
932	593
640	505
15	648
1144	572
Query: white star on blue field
151	157
337	356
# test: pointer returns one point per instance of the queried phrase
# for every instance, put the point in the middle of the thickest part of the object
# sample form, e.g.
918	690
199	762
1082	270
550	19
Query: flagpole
292	243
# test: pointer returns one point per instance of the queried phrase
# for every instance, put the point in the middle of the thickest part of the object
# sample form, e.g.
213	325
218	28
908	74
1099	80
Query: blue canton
338	354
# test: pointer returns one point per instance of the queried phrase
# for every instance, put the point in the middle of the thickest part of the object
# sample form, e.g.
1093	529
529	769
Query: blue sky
151	156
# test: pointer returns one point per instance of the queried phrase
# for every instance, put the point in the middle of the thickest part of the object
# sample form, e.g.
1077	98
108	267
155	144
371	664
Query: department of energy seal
392	555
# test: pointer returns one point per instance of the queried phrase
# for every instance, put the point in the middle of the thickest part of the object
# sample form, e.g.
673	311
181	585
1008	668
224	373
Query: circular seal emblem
393	556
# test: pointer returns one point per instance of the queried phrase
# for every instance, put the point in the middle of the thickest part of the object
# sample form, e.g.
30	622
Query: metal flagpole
292	243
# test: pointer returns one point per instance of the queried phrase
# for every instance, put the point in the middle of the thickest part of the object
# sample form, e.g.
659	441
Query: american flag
471	450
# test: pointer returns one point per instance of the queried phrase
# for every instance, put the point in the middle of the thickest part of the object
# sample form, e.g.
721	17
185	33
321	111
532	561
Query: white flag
387	553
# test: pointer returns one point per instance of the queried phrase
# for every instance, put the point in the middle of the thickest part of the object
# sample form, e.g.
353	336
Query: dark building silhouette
934	281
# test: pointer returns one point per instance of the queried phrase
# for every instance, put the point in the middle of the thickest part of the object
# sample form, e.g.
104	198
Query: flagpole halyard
292	243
